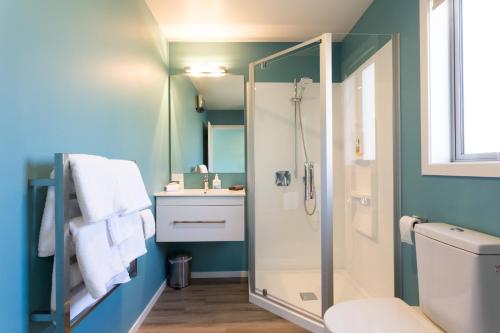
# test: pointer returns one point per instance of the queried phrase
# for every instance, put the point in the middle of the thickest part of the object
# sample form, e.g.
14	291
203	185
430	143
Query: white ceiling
255	20
221	93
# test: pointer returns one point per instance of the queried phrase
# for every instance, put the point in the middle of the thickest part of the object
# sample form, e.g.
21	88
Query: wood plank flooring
212	306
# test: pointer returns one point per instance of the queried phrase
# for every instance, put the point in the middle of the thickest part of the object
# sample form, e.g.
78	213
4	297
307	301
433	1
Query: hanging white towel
132	194
75	277
121	228
99	261
75	280
148	223
135	246
81	298
96	186
46	238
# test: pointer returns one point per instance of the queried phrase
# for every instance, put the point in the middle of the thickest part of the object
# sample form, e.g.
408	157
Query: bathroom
115	79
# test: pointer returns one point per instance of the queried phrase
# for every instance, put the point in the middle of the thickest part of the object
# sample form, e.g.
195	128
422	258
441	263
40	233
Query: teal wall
195	180
225	117
186	126
237	56
356	49
77	76
466	202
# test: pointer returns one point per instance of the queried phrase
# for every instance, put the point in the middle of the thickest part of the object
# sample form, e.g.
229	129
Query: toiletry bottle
216	183
358	152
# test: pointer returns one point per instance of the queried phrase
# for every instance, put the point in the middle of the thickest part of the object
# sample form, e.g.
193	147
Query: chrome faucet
205	182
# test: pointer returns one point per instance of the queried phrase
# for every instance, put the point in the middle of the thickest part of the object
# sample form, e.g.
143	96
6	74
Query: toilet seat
379	315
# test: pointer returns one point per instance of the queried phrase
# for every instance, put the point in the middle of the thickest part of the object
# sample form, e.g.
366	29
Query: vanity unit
193	215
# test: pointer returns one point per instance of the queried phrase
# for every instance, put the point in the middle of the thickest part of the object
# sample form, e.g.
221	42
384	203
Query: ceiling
221	93
255	20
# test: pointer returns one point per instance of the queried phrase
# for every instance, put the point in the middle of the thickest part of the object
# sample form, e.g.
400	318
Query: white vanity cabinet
195	216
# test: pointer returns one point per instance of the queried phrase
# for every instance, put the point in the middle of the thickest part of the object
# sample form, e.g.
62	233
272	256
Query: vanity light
205	70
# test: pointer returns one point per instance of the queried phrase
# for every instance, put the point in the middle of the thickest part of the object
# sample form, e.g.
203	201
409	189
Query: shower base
287	286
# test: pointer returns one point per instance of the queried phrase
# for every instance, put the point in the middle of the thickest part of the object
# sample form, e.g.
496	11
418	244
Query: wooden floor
212	306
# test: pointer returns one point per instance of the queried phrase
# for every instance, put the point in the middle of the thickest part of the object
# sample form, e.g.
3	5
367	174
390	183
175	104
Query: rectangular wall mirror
207	120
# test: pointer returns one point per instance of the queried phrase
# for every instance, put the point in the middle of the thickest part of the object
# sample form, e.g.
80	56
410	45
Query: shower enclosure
322	155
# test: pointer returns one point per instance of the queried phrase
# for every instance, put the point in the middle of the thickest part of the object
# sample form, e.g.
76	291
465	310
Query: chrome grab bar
200	222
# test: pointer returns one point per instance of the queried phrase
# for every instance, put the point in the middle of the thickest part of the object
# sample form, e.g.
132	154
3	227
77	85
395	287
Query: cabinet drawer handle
200	222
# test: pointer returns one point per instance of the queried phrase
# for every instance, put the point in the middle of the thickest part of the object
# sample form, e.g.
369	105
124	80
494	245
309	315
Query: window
459	85
477	71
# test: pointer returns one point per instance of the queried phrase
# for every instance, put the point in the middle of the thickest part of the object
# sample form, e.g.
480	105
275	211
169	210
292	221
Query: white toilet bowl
459	284
378	315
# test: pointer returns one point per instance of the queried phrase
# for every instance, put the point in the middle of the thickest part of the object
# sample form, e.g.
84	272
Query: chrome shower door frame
326	216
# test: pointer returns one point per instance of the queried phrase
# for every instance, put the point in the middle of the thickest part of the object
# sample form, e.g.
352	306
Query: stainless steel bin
179	271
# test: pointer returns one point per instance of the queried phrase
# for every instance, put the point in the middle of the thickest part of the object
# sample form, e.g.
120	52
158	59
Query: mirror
207	124
226	148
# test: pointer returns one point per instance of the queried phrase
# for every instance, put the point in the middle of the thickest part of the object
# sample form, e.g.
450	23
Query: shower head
299	87
305	81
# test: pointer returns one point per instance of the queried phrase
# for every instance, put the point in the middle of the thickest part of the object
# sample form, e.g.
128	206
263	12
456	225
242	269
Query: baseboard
148	308
218	275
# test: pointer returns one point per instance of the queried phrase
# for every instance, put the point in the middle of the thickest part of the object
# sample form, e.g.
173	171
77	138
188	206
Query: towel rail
60	318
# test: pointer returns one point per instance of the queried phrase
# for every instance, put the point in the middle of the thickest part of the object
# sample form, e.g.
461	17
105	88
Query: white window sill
463	169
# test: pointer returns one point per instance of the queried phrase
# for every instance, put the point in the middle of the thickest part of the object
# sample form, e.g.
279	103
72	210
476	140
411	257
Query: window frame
454	162
458	135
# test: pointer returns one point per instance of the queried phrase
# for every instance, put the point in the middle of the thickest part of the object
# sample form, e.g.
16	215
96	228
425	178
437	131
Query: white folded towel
172	187
96	187
46	238
121	228
132	194
148	223
100	262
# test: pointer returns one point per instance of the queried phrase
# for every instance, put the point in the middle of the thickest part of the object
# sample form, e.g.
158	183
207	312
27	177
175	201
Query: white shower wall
285	237
367	231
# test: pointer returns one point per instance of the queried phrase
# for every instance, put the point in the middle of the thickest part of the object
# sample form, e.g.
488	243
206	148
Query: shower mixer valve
283	178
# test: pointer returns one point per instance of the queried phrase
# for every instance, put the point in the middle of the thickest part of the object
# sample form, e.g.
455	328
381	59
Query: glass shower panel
287	171
364	170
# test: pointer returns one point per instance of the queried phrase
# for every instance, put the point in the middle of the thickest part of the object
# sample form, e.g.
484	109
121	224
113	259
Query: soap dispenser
216	183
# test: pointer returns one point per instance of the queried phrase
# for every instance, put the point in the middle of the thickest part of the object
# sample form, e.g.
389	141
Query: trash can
179	271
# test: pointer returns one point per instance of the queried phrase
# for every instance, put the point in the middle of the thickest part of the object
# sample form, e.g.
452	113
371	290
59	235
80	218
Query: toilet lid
379	315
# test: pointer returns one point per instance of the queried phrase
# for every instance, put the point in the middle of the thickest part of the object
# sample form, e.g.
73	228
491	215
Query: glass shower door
286	173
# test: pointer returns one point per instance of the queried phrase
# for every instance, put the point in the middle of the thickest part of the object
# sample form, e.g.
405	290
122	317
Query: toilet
459	289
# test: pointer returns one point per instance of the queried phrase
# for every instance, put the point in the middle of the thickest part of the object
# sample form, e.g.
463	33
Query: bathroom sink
199	192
